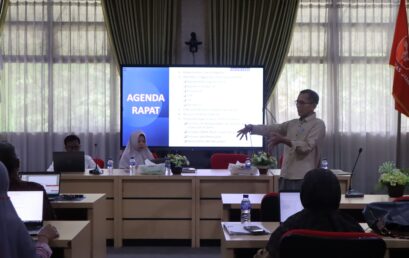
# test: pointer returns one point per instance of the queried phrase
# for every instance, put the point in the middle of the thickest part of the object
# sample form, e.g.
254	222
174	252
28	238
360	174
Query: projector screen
191	106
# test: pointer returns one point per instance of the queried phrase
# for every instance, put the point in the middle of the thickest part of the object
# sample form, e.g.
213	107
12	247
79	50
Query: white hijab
15	242
132	150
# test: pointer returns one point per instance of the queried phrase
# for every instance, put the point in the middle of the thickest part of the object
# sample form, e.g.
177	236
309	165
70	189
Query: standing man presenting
301	138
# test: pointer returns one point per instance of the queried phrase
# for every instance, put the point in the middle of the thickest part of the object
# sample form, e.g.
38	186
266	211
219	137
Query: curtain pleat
250	33
142	31
3	12
57	77
340	49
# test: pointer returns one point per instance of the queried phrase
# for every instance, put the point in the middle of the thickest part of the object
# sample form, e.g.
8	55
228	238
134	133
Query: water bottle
132	165
245	209
110	166
167	166
247	163
324	163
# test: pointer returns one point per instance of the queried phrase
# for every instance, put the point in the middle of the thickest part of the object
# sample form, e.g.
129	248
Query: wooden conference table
95	206
231	242
232	201
153	206
74	238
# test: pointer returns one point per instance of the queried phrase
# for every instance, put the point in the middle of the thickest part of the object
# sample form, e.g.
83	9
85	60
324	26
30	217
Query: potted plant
263	161
178	161
393	178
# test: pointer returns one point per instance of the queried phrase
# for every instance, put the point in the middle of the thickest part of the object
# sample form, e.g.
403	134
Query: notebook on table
29	207
69	161
49	180
290	203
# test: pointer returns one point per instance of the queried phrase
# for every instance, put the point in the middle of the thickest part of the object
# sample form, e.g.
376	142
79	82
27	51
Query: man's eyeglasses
297	102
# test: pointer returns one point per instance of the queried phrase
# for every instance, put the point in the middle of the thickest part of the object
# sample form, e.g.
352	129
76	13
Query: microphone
351	193
96	170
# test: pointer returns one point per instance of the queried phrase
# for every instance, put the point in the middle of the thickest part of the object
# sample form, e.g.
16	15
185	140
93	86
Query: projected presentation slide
191	106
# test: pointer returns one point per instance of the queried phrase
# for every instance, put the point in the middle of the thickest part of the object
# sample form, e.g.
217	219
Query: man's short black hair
71	138
313	96
8	156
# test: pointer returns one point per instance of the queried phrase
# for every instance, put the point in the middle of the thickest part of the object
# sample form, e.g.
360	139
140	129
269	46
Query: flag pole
398	131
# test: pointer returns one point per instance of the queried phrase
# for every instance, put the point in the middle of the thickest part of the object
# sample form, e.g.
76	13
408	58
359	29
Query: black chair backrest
322	244
270	207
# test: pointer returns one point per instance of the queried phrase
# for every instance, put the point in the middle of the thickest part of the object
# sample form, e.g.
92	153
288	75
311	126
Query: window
341	50
57	70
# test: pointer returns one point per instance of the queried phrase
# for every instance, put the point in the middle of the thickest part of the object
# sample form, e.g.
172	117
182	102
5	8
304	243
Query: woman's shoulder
328	221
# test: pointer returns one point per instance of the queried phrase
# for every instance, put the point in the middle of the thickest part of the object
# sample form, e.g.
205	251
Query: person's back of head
320	190
4	180
9	158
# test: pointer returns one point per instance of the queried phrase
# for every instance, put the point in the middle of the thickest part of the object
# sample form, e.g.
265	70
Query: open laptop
72	161
29	207
290	203
49	180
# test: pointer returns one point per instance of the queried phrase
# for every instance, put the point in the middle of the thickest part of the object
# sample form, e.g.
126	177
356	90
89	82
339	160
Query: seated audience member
136	148
15	240
73	143
9	158
320	195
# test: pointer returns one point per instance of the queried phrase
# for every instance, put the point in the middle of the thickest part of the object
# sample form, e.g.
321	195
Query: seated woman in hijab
137	149
320	195
15	240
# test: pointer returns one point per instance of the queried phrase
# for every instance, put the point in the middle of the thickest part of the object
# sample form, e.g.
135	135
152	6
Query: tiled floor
162	252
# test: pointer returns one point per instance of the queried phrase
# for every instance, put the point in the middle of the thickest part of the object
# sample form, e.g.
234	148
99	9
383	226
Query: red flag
400	60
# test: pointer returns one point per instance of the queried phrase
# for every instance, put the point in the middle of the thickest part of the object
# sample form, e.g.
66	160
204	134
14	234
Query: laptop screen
69	161
28	205
49	180
290	203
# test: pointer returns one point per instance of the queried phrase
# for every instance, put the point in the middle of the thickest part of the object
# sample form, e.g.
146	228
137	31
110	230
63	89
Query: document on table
236	230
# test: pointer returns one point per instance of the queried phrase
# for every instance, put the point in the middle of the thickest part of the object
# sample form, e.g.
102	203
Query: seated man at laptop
73	143
9	158
320	196
15	240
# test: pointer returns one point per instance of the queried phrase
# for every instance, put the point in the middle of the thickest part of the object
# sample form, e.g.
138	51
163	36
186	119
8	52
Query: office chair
99	162
222	160
270	207
323	244
155	155
402	199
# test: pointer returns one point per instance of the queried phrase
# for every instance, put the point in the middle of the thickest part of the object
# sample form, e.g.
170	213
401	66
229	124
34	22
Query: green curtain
3	12
252	32
142	31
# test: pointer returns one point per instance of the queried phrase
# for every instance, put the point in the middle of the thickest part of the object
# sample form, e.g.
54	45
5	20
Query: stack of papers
188	170
238	229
